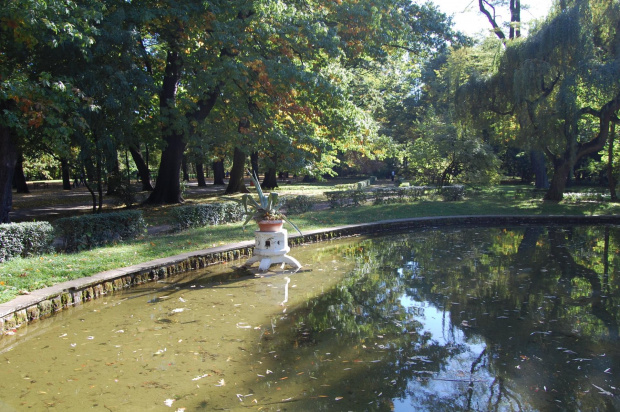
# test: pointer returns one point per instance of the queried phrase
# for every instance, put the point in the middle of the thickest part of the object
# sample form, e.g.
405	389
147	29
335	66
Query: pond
510	318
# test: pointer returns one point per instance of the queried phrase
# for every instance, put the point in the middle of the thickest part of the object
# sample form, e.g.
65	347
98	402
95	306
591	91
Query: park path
52	202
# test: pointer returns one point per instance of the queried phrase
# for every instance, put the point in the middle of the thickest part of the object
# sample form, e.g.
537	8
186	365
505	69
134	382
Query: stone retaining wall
45	302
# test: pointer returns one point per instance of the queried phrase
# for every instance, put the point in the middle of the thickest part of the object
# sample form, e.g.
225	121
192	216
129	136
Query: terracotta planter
270	225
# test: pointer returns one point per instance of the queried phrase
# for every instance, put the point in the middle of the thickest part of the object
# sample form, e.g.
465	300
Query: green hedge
342	198
299	204
400	194
357	186
89	231
396	194
25	239
452	193
207	214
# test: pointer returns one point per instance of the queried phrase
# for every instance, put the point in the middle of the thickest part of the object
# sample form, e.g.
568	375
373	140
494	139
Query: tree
558	86
36	102
442	147
444	152
488	8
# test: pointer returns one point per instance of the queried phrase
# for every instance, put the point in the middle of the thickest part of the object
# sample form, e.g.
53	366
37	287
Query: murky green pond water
439	319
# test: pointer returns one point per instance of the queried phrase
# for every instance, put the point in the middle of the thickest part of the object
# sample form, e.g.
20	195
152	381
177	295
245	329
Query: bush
125	195
343	198
400	194
452	193
298	204
25	239
207	214
89	231
359	185
363	184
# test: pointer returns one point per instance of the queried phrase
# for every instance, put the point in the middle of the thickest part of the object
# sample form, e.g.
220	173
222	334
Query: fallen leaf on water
603	391
200	377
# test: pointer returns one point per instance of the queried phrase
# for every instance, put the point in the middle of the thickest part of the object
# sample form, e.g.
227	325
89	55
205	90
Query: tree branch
491	18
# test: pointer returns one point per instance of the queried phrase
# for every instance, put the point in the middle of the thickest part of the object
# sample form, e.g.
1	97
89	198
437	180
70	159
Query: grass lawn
21	275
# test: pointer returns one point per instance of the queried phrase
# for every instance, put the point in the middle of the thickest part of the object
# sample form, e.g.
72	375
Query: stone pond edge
43	303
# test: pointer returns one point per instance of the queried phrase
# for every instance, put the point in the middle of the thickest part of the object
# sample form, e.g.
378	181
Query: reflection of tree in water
496	287
574	274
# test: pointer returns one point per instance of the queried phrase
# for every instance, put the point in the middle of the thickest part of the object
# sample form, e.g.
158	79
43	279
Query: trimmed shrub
399	194
89	231
299	204
25	239
343	198
452	193
207	214
359	185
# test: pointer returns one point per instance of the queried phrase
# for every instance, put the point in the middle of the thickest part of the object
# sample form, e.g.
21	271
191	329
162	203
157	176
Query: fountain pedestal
271	248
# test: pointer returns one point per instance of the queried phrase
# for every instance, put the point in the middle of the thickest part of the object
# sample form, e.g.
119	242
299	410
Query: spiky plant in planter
264	211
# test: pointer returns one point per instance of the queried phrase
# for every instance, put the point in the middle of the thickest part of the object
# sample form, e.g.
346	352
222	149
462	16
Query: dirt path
51	201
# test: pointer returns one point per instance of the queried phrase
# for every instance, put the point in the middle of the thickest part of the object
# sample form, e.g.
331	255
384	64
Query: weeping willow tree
559	87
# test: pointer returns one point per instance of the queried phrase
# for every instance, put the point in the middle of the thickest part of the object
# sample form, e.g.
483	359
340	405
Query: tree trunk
143	169
537	158
18	177
218	173
236	183
200	175
254	163
87	176
515	19
8	159
114	177
66	173
555	193
610	164
99	177
168	185
271	179
564	164
184	169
